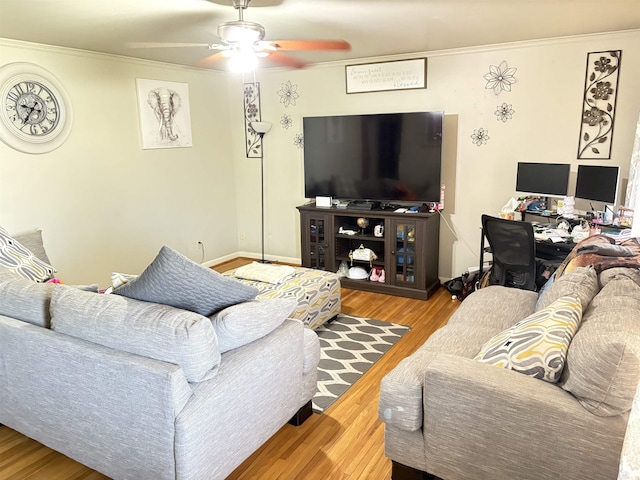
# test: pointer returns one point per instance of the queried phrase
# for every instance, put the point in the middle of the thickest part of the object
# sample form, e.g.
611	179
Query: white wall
105	204
545	128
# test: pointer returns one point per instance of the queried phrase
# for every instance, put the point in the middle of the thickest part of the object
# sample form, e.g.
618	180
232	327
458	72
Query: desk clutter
564	224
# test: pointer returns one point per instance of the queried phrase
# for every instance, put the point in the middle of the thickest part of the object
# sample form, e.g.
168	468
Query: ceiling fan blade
211	59
310	44
172	45
287	60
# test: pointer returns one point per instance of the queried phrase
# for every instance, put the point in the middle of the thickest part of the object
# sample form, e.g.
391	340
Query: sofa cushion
583	282
510	305
536	346
603	361
16	257
33	241
173	279
245	322
152	330
612	273
23	299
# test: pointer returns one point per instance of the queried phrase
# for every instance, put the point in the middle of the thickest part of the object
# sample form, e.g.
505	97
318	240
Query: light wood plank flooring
345	442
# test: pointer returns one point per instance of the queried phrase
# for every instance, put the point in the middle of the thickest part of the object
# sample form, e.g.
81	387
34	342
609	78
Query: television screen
597	183
549	179
382	157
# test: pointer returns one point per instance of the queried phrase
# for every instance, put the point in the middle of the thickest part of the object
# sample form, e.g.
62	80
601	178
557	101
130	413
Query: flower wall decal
504	112
480	137
288	94
286	121
599	104
500	78
298	140
253	142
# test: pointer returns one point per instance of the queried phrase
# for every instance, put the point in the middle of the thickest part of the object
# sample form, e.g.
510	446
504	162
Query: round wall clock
36	112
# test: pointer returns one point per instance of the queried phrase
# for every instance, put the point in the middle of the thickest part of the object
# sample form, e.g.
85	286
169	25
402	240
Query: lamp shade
261	127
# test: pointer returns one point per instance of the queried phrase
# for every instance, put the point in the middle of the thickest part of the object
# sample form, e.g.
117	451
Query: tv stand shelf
407	248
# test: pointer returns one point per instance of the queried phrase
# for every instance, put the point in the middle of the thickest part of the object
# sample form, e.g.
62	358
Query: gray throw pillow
173	279
147	329
33	241
243	323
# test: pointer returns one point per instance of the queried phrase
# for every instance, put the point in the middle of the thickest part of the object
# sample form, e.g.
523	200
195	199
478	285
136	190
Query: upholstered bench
316	291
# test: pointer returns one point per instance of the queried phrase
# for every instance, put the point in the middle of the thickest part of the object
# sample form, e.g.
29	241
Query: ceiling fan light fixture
241	32
243	60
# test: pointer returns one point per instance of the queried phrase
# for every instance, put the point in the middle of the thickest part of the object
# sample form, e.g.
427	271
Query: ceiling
372	27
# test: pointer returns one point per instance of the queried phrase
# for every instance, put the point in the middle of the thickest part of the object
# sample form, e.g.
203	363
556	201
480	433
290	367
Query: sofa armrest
111	410
482	421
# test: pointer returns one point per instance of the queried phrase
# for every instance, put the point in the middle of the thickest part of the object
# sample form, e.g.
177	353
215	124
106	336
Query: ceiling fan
242	42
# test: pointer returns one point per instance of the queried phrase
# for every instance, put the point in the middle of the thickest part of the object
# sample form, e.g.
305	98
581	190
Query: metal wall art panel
599	104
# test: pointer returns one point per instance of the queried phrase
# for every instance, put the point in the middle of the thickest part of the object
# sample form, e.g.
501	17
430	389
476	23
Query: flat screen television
548	179
386	157
597	183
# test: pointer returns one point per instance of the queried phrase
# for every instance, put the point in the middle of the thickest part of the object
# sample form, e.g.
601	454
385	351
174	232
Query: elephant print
165	103
164	114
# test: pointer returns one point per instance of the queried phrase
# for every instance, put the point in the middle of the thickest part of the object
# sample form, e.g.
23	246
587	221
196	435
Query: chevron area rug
349	346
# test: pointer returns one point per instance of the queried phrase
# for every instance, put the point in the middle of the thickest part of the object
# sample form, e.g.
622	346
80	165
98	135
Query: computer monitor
597	183
547	179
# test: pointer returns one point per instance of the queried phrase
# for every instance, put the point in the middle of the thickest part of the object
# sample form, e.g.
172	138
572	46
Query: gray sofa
450	415
140	390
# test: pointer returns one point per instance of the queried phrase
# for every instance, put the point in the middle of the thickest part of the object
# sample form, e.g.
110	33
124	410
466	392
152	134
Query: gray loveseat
140	390
450	415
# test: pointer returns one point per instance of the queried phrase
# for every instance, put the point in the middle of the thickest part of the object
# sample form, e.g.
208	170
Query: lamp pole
261	128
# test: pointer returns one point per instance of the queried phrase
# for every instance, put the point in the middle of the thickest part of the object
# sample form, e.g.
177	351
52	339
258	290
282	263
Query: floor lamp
261	128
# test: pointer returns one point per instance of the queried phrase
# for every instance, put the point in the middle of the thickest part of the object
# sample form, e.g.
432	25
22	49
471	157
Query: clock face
36	115
32	108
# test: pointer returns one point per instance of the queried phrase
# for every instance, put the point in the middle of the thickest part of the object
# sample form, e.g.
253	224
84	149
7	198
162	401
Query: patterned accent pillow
265	273
537	346
119	279
175	280
16	257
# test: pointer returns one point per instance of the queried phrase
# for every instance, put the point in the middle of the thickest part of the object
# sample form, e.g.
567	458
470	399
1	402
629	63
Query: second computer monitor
597	183
548	179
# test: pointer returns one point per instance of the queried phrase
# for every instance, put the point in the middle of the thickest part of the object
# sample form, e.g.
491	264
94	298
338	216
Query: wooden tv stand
407	250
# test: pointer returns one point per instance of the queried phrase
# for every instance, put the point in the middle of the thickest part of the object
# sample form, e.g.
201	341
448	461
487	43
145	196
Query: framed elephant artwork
165	118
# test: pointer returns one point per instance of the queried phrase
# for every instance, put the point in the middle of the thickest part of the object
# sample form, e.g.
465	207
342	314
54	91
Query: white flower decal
288	94
286	121
504	112
500	78
480	136
298	140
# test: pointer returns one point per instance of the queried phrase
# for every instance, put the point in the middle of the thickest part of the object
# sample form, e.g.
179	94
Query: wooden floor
345	442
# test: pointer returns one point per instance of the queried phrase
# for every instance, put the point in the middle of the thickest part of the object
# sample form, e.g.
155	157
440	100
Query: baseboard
258	256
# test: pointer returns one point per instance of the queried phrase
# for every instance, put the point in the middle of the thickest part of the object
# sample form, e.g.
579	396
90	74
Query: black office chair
514	252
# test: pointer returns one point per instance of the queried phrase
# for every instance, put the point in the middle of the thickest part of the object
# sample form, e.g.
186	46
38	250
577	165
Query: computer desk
549	253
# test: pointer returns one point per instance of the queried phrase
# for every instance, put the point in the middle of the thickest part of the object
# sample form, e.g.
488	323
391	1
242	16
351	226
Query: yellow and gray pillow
537	346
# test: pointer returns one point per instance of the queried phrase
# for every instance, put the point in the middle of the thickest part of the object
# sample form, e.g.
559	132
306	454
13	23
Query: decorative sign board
384	76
